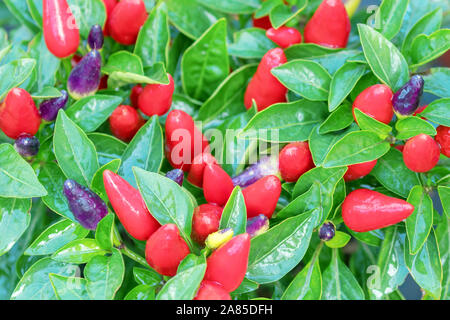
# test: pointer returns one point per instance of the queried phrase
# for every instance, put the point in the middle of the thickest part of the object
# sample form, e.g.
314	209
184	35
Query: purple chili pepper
87	207
176	175
327	231
85	76
257	225
406	100
95	38
264	167
49	108
27	145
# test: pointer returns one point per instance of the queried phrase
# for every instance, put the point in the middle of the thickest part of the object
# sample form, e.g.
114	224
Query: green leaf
108	148
251	43
146	276
18	179
152	44
282	14
90	112
104	234
427	48
166	200
444	195
307	284
14	73
184	285
339	240
289	121
366	122
46	93
278	250
436	81
412	126
97	184
246	286
205	63
35	283
35	7
87	13
141	292
385	60
233	6
69	288
372	238
393	174
438	111
390	17
338	120
78	251
55	237
323	176
234	213
356	147
20	11
443	239
306	78
104	276
14	221
75	153
343	82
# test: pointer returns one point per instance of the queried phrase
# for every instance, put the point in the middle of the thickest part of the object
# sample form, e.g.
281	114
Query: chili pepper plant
226	150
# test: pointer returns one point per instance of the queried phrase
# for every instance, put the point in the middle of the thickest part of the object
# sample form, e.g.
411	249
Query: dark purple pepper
49	108
406	100
264	167
176	175
257	225
327	231
85	76
87	207
95	38
27	145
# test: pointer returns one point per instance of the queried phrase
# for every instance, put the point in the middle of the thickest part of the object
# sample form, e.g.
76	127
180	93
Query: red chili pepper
366	210
103	82
264	88
109	6
156	99
18	114
443	138
356	171
284	36
199	163
228	264
329	26
129	206
183	140
126	19
217	185
419	110
124	122
75	59
134	96
294	160
375	101
210	290
262	196
400	147
262	23
61	32
206	220
421	153
165	249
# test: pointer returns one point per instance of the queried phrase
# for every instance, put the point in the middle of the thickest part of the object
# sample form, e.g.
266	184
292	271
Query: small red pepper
284	36
206	220
126	19
329	26
294	160
262	196
124	122
375	101
156	99
228	264
165	249
210	290
419	110
264	88
217	185
109	6
199	163
356	171
134	96
421	153
129	206
18	114
366	210
61	32
443	138
262	23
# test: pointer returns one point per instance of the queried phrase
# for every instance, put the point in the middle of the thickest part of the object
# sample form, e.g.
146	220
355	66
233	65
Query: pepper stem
126	251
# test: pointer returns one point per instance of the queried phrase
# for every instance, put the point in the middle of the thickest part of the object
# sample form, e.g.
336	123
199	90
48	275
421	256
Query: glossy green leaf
308	50
14	220
146	276
35	7
412	126
438	111
339	240
87	13
246	286
282	14
251	43
427	48
335	60
141	292
444	195
234	213
20	11
436	82
443	239
104	234
97	184
323	176
108	148
69	288
78	251
46	93
184	285
307	284
366	122
372	238
233	6
390	17
338	120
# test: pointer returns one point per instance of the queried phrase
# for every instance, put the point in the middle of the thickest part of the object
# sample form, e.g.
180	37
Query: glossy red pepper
165	249
375	101
262	196
356	171
400	147
124	122
262	23
134	96
183	140
217	185
156	99
421	153
294	160
264	88
103	82
366	210
329	26
210	290
419	110
109	6
284	36
126	19
61	32
129	206
18	114
443	138
199	163
228	264
206	220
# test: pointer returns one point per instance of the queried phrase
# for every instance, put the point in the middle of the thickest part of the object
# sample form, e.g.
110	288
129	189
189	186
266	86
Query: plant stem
134	256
